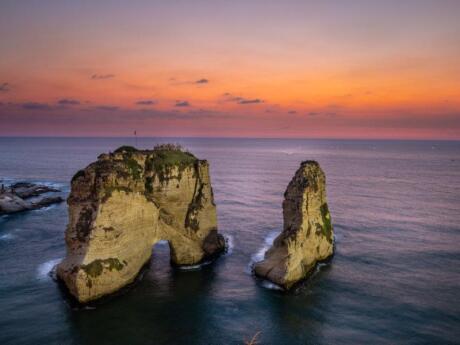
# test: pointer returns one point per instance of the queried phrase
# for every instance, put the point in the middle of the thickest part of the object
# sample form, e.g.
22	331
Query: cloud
145	102
5	87
292	112
191	114
68	101
324	114
241	100
178	82
250	101
36	106
106	107
182	104
102	76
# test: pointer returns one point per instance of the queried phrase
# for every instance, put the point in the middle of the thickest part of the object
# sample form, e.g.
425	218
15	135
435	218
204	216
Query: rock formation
27	190
13	199
307	235
125	202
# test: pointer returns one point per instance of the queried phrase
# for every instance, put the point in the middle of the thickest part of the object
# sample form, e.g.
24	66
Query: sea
394	278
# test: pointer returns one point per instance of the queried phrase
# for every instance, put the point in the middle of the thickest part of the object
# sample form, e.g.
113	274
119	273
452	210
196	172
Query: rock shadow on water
159	277
297	312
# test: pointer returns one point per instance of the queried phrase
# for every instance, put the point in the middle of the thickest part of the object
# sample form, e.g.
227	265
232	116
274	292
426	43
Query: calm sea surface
395	277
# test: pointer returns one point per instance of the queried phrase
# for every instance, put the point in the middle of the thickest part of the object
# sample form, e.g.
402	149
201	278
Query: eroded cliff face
307	235
125	202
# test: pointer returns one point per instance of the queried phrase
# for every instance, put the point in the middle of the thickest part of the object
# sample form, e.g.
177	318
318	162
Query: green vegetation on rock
327	225
134	168
95	268
110	190
164	158
126	148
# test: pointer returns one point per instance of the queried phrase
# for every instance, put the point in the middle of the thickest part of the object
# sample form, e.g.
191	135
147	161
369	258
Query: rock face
307	235
125	202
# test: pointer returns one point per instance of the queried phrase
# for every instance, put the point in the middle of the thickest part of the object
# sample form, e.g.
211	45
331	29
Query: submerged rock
125	202
307	235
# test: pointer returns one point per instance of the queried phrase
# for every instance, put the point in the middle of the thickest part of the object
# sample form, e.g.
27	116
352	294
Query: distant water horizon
224	137
394	278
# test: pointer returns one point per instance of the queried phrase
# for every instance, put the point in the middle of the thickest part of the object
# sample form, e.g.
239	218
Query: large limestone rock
125	202
307	237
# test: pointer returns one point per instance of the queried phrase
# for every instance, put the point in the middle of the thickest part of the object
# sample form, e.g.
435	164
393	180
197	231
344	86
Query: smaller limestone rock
307	235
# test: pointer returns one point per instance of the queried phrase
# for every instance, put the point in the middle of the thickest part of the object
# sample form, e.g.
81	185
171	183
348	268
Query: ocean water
394	279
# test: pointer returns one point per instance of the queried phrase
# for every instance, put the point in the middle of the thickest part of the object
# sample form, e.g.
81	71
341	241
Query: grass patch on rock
95	268
164	158
327	224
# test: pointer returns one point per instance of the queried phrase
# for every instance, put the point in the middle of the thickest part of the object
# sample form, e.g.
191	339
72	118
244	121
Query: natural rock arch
124	203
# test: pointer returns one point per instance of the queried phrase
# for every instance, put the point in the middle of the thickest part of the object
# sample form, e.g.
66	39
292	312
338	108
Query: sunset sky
303	69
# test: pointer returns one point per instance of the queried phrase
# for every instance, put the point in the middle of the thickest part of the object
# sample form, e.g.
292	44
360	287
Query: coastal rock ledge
125	202
307	235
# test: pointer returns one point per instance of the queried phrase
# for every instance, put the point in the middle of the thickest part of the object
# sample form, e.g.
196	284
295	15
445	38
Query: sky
279	69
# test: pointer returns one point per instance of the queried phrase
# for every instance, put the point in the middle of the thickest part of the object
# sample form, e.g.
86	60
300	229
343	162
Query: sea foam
229	244
6	237
259	256
45	269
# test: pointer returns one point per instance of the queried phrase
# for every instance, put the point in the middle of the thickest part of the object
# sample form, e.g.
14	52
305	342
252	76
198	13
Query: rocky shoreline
17	197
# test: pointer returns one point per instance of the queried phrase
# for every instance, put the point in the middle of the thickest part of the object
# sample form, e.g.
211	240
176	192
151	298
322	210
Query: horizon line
223	137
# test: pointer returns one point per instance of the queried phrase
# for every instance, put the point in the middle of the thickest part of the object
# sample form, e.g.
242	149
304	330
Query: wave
289	152
337	237
193	267
259	256
7	237
271	286
229	244
51	184
45	270
55	185
46	208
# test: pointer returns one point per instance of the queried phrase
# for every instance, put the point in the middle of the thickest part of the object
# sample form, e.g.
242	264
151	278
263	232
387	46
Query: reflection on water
394	278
